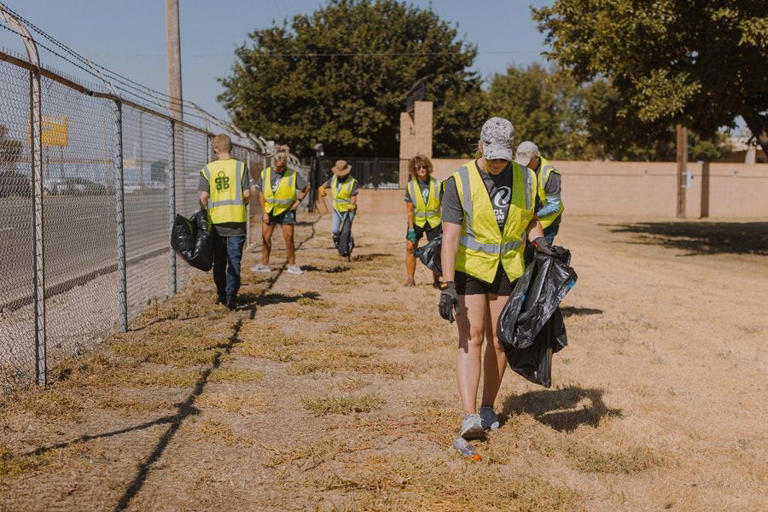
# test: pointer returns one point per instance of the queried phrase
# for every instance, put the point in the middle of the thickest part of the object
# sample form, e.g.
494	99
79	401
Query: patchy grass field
334	390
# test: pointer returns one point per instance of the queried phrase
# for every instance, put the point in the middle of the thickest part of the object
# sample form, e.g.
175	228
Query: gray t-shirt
340	182
423	188
228	228
274	181
499	189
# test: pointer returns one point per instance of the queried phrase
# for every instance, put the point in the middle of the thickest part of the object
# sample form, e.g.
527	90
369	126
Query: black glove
449	301
541	245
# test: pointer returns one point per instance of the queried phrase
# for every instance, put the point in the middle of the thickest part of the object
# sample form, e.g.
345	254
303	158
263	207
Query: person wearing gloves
344	193
422	200
548	188
224	193
281	190
488	212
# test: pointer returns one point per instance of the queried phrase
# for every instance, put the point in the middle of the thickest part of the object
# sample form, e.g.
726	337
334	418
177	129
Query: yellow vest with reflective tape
545	169
482	244
342	194
283	197
225	182
429	211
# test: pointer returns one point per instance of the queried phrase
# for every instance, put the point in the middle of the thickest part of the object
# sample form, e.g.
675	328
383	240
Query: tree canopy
701	63
340	76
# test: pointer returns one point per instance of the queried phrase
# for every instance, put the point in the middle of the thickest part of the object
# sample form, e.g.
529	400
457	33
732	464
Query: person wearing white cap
548	189
488	212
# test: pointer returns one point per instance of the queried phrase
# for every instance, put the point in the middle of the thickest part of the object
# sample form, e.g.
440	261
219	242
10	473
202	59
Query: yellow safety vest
342	194
225	182
283	197
429	211
545	168
482	244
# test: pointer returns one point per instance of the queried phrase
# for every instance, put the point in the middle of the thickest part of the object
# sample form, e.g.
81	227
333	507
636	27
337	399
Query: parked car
74	186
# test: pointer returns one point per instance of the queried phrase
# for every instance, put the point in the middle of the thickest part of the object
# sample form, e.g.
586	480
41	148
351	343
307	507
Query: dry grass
215	431
12	464
233	401
343	404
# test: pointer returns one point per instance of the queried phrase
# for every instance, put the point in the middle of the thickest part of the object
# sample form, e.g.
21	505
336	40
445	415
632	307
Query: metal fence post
36	161
122	289
172	205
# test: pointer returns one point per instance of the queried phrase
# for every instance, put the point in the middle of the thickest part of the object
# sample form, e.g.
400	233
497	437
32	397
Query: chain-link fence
89	185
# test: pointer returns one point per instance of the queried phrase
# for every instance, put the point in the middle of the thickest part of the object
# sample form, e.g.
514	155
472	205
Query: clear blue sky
129	36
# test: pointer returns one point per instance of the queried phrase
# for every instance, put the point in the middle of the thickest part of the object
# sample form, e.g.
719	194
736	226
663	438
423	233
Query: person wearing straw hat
422	199
344	193
488	211
548	190
281	190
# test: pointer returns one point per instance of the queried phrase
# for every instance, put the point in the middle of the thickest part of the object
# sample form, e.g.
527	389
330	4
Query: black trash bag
346	241
192	239
536	296
535	362
429	254
531	327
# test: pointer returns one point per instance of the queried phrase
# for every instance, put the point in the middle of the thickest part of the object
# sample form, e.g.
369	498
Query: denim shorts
287	217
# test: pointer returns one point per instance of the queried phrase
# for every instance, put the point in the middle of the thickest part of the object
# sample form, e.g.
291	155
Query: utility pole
682	169
173	52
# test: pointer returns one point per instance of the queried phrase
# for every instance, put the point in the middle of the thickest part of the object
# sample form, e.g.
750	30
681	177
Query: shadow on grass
329	270
574	311
370	257
702	238
249	300
561	409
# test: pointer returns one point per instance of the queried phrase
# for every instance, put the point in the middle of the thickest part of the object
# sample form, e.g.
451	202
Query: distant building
742	151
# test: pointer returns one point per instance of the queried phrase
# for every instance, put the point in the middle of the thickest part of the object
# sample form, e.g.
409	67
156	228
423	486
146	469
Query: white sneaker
294	269
488	418
471	427
261	268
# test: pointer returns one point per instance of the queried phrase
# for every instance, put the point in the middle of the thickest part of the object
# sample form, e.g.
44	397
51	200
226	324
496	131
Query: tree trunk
758	125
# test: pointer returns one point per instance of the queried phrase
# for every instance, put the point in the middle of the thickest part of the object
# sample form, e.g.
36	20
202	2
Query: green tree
545	107
340	77
701	63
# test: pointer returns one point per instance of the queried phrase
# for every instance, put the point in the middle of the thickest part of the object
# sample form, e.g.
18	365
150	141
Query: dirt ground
334	390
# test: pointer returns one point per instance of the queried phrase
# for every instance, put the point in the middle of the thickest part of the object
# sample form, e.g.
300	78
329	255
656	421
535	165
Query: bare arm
204	200
302	194
451	235
409	208
264	214
534	229
247	195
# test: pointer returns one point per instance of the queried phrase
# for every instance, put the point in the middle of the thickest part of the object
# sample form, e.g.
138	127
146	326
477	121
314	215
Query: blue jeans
550	231
338	220
227	251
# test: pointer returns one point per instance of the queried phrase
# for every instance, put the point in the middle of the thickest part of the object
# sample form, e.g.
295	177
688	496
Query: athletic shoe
488	418
294	269
261	268
410	283
471	427
221	299
231	303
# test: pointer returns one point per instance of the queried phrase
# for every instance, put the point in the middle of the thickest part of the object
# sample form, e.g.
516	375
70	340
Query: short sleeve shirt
499	189
274	181
228	228
340	182
423	187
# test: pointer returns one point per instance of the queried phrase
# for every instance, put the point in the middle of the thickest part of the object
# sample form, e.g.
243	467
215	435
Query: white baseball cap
497	139
525	152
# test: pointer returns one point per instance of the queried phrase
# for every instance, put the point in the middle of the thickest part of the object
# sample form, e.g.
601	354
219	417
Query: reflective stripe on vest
429	211
482	245
226	203
342	195
283	197
545	169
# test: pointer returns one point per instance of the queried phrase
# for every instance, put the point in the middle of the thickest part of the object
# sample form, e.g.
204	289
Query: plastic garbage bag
346	241
531	327
429	254
192	239
536	296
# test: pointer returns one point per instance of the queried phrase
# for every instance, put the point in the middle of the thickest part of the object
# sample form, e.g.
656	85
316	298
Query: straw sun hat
341	169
